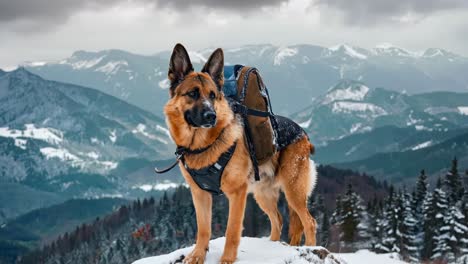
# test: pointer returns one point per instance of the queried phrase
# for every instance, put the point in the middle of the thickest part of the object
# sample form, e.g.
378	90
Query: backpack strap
246	83
243	110
239	108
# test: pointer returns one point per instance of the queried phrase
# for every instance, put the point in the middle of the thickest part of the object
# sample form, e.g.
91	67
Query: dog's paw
227	260
196	257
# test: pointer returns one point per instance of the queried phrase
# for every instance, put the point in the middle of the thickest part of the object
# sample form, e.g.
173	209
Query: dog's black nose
210	117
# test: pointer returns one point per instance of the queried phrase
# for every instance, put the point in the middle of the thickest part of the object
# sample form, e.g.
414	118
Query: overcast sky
38	30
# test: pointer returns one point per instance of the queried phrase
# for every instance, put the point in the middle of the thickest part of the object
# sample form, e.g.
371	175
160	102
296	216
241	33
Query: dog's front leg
237	201
202	201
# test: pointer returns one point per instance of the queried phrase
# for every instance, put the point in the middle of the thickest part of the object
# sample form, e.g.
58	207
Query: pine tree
409	240
454	232
391	235
419	203
351	215
454	183
376	220
439	208
317	208
364	228
464	239
428	231
325	229
421	191
338	213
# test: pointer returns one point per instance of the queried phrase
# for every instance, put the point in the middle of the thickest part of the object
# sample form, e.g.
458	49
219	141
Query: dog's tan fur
288	170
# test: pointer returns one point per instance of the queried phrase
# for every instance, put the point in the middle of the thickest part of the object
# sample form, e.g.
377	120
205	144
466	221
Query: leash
181	151
179	155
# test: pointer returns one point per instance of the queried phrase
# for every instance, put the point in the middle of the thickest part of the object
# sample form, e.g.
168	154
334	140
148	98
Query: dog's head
196	98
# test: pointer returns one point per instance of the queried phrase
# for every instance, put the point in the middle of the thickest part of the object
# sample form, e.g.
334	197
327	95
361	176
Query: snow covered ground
368	257
264	251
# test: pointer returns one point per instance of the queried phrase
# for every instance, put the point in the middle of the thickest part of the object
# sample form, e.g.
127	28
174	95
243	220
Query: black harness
209	178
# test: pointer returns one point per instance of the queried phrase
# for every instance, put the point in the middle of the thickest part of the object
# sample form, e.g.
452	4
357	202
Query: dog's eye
212	95
193	94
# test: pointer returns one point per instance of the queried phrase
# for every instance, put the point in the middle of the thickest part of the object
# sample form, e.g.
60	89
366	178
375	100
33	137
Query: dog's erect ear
215	67
179	66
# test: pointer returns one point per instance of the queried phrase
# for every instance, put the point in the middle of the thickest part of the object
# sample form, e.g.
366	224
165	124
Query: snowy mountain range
67	139
352	107
402	166
294	74
46	120
50	129
385	139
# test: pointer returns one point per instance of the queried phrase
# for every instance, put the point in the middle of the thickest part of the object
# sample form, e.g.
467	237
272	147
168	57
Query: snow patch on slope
59	153
349	93
50	135
306	123
84	64
422	145
349	107
196	57
81	160
113	136
21	143
355	128
164	130
283	53
141	129
165	185
112	67
252	250
463	110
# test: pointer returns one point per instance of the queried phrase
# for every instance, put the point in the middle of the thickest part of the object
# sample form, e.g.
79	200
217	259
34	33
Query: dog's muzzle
204	119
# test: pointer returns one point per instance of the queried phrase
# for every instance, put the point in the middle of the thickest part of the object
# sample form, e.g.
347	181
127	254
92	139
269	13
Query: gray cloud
46	10
54	11
382	11
233	5
43	14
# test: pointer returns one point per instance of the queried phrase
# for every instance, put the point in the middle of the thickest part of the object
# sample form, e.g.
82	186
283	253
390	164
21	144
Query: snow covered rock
254	250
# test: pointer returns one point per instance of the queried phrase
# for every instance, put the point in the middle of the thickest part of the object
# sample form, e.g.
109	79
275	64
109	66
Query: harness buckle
239	108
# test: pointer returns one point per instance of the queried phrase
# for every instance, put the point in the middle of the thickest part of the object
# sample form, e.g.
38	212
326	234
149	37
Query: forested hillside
151	227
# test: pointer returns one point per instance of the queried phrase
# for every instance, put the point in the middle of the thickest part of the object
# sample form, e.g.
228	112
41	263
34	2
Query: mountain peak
282	53
342	46
436	52
345	49
389	49
22	73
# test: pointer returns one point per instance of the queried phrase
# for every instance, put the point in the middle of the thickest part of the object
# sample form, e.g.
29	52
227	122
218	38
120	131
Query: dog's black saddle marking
288	132
209	178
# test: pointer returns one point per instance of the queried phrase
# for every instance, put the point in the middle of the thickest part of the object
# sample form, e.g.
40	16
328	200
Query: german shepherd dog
198	117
